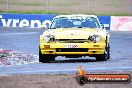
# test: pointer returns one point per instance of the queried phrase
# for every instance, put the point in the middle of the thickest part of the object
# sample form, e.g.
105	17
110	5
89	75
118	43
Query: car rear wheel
105	56
45	58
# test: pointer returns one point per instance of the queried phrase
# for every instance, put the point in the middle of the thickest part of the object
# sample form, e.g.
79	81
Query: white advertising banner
121	23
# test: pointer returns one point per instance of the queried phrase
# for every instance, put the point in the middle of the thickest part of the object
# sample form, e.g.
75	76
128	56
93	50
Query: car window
79	22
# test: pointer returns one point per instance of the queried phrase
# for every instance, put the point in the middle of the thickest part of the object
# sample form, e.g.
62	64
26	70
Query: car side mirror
106	25
102	26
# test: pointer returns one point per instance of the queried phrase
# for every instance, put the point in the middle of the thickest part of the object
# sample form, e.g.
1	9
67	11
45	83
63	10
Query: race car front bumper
72	48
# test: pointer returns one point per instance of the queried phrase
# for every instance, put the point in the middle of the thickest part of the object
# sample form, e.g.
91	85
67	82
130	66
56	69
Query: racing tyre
105	56
45	58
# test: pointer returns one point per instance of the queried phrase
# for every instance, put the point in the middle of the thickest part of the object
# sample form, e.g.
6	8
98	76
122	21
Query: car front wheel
105	56
45	58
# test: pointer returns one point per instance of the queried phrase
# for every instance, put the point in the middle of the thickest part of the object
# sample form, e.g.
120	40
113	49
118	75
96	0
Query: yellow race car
74	36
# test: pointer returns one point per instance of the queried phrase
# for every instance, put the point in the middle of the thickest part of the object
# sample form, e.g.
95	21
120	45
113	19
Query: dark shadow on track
74	61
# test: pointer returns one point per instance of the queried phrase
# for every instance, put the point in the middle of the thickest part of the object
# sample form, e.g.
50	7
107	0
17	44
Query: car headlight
49	38
95	38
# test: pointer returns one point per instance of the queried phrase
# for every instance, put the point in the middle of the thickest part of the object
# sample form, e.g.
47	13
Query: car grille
72	50
72	40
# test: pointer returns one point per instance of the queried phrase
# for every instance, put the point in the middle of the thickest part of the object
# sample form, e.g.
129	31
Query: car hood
74	33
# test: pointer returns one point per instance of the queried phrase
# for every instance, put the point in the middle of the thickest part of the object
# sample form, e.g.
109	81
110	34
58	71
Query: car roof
72	15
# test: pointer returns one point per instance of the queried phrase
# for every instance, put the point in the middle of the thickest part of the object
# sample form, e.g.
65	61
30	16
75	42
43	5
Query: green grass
66	7
42	4
31	12
115	4
111	14
25	4
64	4
1	2
53	12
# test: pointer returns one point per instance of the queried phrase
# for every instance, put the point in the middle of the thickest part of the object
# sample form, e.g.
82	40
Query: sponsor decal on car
71	46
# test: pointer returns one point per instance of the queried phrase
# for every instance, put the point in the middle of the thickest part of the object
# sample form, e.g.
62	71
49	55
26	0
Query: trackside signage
25	20
35	20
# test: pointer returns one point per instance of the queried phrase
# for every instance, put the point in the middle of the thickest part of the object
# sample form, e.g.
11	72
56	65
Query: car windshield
78	22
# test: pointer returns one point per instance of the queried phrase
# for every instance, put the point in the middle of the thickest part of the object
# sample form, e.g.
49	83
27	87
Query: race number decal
71	46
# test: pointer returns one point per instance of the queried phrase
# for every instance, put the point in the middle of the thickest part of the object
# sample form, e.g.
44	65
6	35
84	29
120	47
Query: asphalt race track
27	40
